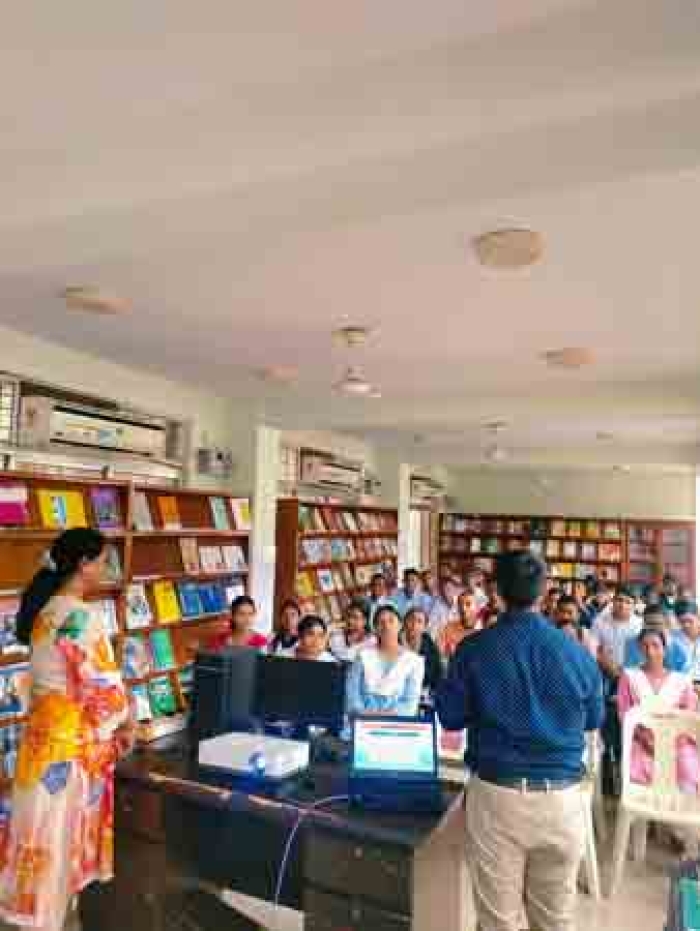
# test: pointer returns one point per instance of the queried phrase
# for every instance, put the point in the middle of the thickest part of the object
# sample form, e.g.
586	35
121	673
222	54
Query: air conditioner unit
45	421
326	471
424	490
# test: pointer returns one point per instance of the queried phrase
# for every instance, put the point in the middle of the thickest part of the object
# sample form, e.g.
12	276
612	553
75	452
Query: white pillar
404	509
697	532
262	546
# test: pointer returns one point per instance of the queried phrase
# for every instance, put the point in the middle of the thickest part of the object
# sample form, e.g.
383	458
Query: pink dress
674	693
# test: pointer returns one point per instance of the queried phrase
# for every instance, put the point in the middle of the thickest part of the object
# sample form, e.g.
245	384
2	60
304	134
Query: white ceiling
256	176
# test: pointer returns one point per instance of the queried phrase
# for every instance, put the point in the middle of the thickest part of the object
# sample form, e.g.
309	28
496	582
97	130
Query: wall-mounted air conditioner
45	421
425	490
326	471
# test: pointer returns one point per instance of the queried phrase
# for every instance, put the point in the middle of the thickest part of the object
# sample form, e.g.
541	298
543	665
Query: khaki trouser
524	851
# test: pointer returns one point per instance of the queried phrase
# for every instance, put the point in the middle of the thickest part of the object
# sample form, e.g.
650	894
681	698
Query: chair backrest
662	799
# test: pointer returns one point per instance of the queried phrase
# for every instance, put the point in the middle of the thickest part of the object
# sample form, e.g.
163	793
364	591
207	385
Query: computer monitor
224	692
304	692
402	749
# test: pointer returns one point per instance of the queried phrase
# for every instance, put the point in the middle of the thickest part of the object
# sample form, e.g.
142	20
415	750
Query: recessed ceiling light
93	300
509	248
570	357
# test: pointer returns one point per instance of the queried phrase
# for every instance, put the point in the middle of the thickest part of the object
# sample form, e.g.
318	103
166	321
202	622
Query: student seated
313	641
416	637
675	657
444	607
688	637
287	629
241	633
467	624
567	618
386	679
378	596
345	644
412	594
550	601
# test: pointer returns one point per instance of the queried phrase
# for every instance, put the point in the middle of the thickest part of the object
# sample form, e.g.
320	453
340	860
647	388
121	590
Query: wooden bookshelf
147	555
639	552
327	553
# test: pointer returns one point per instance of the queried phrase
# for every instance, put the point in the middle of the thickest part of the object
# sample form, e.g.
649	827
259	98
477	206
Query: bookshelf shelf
210	520
346	542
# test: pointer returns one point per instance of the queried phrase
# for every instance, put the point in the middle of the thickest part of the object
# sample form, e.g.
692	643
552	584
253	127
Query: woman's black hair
290	603
414	611
67	554
242	601
307	624
653	632
386	609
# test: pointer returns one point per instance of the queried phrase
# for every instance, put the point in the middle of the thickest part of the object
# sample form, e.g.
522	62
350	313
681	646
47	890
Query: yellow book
61	509
167	605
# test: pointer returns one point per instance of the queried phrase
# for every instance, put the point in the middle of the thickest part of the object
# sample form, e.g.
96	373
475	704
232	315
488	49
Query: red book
14	506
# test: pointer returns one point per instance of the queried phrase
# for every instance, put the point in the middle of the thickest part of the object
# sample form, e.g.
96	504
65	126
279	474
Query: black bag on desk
224	693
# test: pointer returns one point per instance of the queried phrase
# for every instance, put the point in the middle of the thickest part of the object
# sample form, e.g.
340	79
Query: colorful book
105	612
557	528
162	697
190	601
219	514
135	659
186	680
138	609
14	505
143	519
212	559
240	508
190	555
589	552
610	552
234	558
113	566
142	706
325	580
612	531
569	550
169	512
213	598
15	690
166	603
552	550
591	529
105	507
9	606
53	508
234	590
305	522
162	651
573	528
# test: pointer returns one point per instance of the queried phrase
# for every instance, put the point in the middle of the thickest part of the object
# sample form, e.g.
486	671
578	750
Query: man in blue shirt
411	597
527	694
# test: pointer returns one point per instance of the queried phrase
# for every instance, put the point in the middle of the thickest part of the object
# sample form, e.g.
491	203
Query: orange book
169	512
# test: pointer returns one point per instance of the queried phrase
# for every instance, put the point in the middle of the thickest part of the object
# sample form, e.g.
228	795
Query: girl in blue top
386	679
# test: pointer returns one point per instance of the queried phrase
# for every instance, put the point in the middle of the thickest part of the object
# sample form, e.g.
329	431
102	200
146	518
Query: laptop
394	765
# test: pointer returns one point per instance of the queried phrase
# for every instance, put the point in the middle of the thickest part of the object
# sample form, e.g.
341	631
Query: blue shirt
527	693
675	658
405	602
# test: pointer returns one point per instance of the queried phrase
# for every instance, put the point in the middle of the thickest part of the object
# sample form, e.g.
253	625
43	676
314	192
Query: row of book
344	578
197	558
226	513
581	571
533	527
320	519
143	655
318	550
157	697
549	549
166	602
329	607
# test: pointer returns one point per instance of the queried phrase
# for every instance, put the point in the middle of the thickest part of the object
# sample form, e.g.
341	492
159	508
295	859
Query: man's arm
452	697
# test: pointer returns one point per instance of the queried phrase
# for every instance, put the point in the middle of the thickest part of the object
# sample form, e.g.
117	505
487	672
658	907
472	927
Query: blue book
208	597
190	601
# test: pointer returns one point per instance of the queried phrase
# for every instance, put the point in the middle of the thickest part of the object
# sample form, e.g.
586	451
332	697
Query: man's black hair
521	578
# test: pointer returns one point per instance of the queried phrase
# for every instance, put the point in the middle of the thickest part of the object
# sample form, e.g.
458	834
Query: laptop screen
394	747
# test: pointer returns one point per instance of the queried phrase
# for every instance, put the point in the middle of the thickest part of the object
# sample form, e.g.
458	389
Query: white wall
655	495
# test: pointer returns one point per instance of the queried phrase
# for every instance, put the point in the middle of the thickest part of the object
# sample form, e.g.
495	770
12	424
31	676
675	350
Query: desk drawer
326	912
139	811
378	873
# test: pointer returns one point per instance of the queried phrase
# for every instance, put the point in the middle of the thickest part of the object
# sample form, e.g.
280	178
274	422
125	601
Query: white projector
254	755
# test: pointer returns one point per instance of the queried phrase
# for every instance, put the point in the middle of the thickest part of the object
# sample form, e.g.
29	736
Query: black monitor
224	692
304	692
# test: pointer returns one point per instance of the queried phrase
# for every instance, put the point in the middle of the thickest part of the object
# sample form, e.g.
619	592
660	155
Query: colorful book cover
305	522
162	697
105	507
233	590
212	559
240	508
104	612
15	689
305	585
143	519
169	512
219	514
610	552
557	528
589	552
113	566
162	651
190	601
139	693
591	529
573	528
612	531
135	660
9	606
234	558
138	609
53	508
213	598
317	521
166	603
190	556
552	550
186	680
570	550
325	580
14	505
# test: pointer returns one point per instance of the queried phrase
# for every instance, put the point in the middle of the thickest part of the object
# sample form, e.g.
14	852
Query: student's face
355	621
653	650
290	621
313	642
623	606
467	609
691	625
243	618
670	588
602	599
378	588
388	627
412	583
566	615
92	572
428	581
416	625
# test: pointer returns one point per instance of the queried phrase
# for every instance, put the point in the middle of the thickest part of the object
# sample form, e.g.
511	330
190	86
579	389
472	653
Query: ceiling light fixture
353	383
352	336
570	357
510	248
93	300
494	450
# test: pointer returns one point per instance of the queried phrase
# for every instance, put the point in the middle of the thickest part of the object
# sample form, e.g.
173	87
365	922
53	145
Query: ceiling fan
353	383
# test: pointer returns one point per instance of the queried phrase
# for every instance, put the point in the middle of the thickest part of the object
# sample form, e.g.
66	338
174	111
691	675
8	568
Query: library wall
593	492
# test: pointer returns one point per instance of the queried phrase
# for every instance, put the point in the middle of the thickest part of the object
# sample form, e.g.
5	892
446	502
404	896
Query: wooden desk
349	869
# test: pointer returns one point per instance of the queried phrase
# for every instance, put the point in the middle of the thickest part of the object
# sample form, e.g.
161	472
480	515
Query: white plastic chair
593	813
662	800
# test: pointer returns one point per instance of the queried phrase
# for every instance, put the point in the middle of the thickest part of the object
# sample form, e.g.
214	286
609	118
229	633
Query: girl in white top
386	679
345	644
312	643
